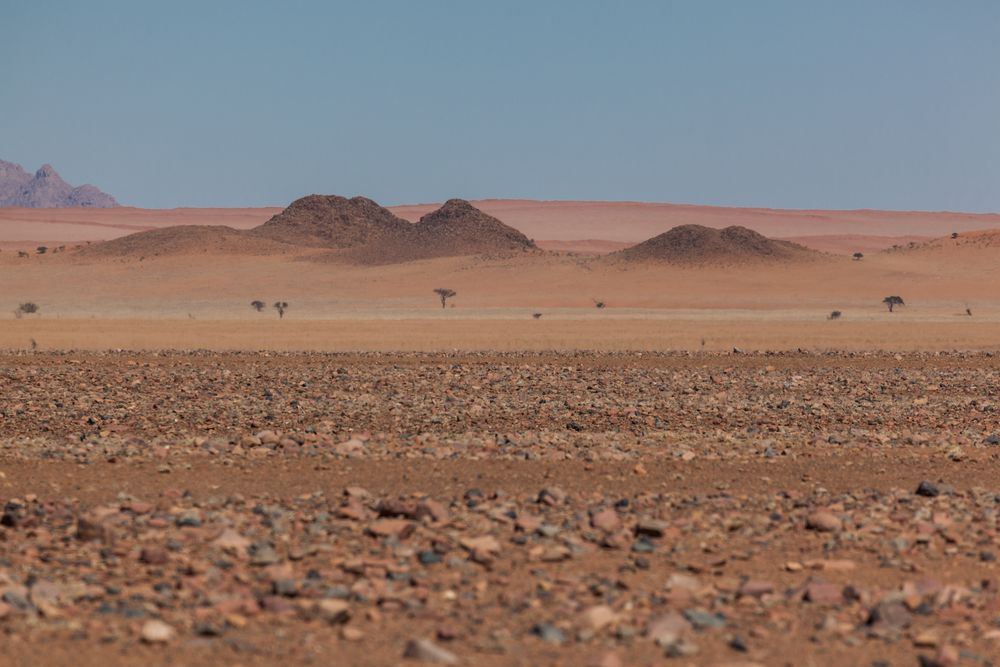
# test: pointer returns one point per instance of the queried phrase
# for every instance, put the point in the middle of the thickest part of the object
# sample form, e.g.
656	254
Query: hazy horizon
788	105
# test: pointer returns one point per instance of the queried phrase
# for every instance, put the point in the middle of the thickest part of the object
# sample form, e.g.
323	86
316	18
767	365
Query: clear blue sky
796	103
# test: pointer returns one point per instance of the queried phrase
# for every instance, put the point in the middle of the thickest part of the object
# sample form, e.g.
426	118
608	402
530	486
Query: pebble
824	522
157	632
424	650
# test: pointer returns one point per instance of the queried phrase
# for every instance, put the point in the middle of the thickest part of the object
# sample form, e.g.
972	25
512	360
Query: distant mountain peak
46	189
47	171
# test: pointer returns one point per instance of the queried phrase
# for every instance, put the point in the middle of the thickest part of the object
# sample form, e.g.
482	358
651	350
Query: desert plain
709	469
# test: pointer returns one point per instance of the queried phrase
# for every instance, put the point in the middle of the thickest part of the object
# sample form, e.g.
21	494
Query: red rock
824	522
756	588
153	555
400	528
429	507
596	618
824	593
232	541
486	543
606	520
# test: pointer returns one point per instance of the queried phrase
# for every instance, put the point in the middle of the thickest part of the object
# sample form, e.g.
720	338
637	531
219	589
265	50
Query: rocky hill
695	244
329	221
459	228
46	189
362	231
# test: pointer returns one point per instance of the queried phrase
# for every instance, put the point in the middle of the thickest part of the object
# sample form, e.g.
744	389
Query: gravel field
500	509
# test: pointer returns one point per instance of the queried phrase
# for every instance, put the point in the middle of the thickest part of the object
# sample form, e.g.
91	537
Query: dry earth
496	509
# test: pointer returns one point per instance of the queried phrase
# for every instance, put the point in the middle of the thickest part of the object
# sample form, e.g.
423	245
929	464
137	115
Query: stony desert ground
709	470
496	509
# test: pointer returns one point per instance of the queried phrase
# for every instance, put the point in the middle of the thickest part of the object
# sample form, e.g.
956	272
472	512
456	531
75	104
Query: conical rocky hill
367	233
459	228
695	244
330	221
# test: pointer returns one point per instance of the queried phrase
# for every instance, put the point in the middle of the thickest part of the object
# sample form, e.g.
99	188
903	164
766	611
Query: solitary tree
280	306
954	235
445	294
858	256
257	305
41	249
893	301
26	308
835	315
598	304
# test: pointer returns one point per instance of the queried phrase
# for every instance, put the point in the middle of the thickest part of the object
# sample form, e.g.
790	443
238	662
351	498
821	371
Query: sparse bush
968	311
954	235
598	304
858	256
835	315
280	306
257	305
444	293
21	253
893	301
26	308
537	316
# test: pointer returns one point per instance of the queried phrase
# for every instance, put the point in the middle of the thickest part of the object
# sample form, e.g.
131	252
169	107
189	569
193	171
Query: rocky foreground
499	509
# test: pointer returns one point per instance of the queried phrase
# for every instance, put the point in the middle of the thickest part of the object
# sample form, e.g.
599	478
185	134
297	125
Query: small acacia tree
41	250
835	315
257	305
858	256
893	301
444	293
26	308
280	307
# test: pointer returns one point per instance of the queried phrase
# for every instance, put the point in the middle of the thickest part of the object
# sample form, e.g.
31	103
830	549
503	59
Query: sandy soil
712	332
203	301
